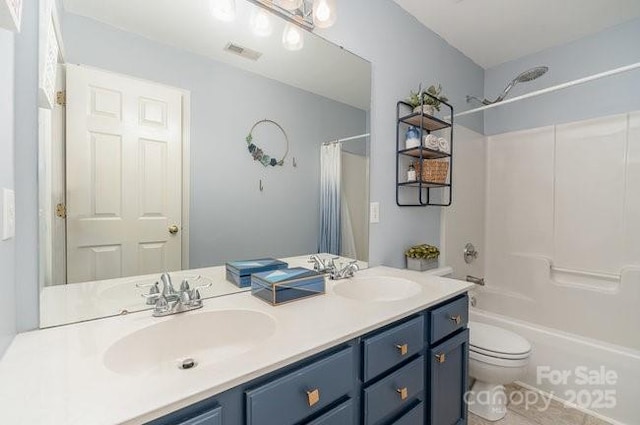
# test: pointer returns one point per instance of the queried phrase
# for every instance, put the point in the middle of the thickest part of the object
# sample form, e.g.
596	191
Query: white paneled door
124	176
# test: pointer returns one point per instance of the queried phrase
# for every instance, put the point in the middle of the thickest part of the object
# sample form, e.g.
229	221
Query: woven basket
432	171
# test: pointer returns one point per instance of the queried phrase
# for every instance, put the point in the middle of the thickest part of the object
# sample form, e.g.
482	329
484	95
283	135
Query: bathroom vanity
388	346
413	371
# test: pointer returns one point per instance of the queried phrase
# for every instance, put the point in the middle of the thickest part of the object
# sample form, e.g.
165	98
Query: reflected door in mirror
124	176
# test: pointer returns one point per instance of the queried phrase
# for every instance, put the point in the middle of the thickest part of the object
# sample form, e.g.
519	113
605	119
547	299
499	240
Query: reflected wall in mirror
145	161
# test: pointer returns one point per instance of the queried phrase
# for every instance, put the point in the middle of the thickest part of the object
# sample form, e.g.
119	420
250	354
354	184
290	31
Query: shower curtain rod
554	88
347	139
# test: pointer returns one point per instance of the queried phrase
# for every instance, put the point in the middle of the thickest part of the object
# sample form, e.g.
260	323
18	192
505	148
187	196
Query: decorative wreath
258	154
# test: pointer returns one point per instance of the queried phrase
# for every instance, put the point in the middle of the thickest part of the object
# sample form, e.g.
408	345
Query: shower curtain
330	198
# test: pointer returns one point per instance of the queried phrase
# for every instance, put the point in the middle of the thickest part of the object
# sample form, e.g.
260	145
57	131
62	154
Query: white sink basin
377	289
204	337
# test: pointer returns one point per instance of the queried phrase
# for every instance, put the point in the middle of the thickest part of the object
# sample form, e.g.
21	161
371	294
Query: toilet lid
497	342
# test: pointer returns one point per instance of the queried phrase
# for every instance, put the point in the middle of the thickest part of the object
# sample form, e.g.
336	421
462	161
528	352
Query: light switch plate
374	212
8	214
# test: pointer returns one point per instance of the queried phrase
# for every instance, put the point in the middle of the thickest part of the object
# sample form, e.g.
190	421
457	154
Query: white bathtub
615	397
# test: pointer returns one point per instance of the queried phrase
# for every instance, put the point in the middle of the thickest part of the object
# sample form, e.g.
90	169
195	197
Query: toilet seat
499	355
498	361
491	341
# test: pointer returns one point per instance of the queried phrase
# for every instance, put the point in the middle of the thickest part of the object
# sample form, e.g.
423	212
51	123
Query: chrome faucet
329	267
167	300
348	271
319	264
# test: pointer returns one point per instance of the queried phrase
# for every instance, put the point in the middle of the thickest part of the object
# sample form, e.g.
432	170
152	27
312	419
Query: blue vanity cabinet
412	372
447	362
208	412
302	393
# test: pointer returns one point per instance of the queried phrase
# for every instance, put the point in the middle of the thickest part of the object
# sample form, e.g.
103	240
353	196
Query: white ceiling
320	67
491	32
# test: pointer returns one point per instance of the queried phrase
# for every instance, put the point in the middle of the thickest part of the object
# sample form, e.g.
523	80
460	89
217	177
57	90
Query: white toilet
496	357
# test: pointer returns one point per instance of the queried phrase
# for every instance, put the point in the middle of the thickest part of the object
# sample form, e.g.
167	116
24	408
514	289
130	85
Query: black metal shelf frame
426	124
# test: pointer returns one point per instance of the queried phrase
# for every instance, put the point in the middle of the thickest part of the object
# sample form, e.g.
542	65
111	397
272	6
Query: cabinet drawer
387	349
414	416
393	392
341	415
212	417
297	395
447	319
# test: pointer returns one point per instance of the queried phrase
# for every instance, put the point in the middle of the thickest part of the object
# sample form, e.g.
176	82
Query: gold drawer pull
457	319
313	397
403	348
404	393
441	358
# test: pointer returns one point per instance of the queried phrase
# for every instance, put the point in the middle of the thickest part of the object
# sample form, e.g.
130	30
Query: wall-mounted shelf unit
421	193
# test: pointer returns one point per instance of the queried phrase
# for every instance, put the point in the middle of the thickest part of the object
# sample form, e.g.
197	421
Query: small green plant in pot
428	104
422	257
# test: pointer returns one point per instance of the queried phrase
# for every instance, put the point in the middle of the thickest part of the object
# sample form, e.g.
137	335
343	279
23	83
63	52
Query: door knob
173	229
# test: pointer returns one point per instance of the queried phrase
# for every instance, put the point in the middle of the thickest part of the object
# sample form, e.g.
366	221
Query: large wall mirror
156	120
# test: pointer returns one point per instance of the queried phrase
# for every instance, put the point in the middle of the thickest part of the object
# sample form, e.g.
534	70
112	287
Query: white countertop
57	376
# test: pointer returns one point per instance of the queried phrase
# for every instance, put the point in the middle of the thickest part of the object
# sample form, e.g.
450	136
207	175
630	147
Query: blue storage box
239	272
282	286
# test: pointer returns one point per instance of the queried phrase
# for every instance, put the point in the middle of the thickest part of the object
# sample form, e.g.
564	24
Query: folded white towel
443	145
431	142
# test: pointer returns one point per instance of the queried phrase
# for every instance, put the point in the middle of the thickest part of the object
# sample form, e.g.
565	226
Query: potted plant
429	104
422	257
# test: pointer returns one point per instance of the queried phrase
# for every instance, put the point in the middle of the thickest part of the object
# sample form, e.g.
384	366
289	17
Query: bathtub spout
476	280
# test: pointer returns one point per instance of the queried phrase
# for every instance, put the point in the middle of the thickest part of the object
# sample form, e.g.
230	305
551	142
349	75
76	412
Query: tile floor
536	414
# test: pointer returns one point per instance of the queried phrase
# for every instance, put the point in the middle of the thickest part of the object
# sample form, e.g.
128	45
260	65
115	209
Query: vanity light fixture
261	23
305	13
292	37
224	10
324	13
290	5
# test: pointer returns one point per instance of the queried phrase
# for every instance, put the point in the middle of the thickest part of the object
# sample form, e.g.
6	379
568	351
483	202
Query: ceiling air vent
243	51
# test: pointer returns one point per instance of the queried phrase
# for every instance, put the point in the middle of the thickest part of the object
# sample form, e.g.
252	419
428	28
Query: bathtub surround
561	219
7	248
609	49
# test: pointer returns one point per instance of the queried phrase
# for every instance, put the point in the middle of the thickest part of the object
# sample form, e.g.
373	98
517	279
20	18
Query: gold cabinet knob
403	348
441	358
456	319
313	397
173	229
404	393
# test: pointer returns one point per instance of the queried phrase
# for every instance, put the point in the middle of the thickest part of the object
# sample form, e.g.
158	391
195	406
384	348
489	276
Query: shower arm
500	98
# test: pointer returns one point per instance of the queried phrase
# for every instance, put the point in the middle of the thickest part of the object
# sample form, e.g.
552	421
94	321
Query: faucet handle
153	294
184	286
146	285
162	305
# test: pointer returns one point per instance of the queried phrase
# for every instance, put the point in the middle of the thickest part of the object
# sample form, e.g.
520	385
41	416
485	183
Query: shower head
531	74
524	77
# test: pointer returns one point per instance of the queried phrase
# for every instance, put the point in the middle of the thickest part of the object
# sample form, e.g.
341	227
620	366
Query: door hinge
61	98
61	211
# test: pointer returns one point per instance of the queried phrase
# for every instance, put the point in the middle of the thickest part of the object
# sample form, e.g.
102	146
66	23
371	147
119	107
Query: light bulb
292	37
261	23
324	13
224	10
289	4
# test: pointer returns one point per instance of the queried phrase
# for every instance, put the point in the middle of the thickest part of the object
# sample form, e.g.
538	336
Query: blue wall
611	48
403	53
26	169
7	258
